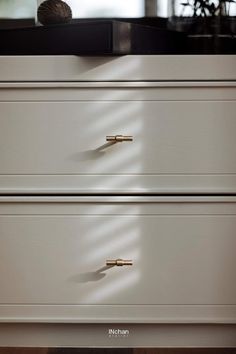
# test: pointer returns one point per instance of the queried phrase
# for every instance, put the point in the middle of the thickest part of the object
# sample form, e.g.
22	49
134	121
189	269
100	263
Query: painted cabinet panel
117	68
180	258
73	201
177	146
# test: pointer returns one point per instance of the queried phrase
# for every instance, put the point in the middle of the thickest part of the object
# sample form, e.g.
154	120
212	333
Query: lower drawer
53	254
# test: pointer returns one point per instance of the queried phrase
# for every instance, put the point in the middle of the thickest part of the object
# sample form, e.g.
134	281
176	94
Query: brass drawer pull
119	262
119	138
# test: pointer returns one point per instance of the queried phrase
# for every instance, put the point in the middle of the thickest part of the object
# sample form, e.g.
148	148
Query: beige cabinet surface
117	68
181	143
54	252
70	200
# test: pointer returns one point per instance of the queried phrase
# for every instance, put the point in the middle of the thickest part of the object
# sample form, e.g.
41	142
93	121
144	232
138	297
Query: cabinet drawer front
178	146
122	68
183	255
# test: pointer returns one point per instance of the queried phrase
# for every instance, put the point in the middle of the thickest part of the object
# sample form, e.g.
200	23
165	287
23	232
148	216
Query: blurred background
15	9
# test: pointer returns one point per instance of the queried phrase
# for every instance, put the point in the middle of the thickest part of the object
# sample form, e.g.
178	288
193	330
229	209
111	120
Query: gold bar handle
118	138
119	262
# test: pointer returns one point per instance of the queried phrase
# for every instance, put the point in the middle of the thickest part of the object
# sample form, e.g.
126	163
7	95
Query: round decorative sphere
52	12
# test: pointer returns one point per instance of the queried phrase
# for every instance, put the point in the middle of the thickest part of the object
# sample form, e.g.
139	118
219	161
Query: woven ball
52	12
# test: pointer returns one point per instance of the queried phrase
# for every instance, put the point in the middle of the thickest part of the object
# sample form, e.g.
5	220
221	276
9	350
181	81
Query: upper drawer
184	145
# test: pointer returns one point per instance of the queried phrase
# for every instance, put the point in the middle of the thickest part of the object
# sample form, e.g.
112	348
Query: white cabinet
70	200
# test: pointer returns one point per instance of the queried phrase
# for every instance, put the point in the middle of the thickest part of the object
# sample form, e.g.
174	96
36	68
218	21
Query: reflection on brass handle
119	138
119	262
